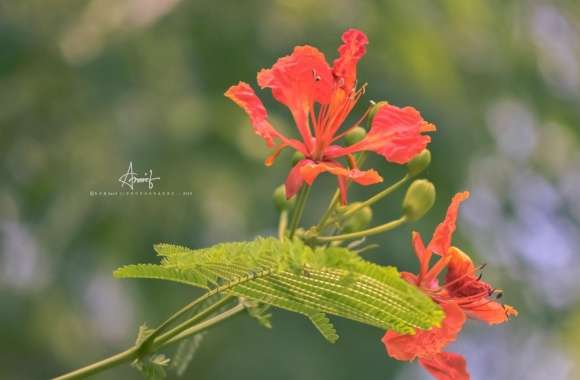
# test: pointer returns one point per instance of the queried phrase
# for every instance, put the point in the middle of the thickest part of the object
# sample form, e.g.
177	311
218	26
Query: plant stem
329	210
371	231
377	197
164	340
190	322
299	209
282	224
205	324
335	198
174	317
102	365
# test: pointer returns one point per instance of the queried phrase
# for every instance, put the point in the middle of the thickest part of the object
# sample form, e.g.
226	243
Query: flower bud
419	163
280	200
297	157
355	135
419	199
375	109
359	220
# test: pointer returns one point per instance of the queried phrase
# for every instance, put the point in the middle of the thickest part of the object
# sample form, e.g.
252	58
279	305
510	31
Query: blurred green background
88	86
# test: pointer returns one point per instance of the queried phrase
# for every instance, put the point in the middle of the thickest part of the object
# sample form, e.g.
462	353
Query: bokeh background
88	86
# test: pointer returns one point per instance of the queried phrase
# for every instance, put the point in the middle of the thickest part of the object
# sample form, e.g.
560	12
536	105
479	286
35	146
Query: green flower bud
297	157
419	163
375	108
359	220
419	199
355	135
280	200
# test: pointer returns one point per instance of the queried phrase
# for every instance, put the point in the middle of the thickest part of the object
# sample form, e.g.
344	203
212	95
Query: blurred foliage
88	86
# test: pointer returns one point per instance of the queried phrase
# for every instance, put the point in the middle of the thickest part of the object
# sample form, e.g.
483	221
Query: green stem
282	224
299	209
102	365
371	231
335	198
329	210
377	197
164	340
205	324
190	322
144	345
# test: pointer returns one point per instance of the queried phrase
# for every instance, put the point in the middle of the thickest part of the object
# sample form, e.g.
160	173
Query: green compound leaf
295	277
326	328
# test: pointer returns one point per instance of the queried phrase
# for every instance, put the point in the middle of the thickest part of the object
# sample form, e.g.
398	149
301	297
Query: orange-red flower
462	294
320	97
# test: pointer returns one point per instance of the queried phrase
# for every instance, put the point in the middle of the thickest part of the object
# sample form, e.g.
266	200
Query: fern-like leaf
312	282
326	328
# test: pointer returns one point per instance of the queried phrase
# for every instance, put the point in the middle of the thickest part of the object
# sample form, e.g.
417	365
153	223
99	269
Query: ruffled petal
297	81
441	241
244	96
396	134
446	366
350	52
425	343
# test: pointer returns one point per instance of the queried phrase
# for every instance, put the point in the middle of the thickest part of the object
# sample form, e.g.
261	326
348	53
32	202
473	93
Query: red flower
463	294
303	80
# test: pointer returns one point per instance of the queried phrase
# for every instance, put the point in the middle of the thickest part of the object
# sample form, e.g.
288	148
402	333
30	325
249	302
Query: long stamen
447	284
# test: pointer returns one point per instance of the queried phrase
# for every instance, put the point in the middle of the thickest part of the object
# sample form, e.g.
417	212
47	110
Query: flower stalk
173	336
368	232
299	209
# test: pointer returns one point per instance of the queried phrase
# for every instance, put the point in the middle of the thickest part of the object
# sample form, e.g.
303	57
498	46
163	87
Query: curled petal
490	312
244	96
441	241
425	343
363	177
446	366
423	255
297	81
295	181
350	52
461	280
463	285
396	134
460	271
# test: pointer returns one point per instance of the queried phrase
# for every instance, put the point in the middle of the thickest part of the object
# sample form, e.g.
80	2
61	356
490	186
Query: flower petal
461	281
396	134
441	241
294	181
446	366
491	312
471	292
423	255
362	177
313	169
244	96
425	343
350	52
297	81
